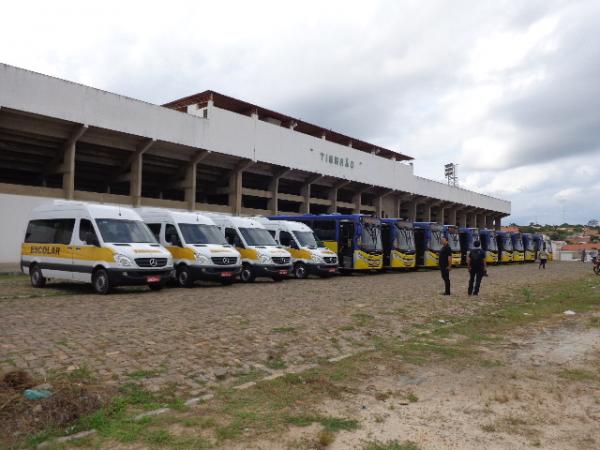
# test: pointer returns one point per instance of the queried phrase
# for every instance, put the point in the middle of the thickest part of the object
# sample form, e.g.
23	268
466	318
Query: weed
362	319
275	364
577	375
82	373
488	428
527	294
142	374
347	328
411	397
391	445
325	438
283	330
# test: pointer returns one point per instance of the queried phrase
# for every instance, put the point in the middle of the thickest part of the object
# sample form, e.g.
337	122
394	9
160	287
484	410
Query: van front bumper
133	277
272	270
215	273
322	269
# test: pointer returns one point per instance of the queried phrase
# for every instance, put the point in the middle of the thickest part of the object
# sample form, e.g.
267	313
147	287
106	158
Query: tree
592	223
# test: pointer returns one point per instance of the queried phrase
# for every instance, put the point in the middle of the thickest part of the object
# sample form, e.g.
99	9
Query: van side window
50	231
272	233
155	228
232	237
86	231
171	235
285	238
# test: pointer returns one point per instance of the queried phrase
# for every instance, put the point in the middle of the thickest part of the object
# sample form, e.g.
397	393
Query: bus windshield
507	243
307	239
404	239
194	233
257	236
530	246
121	231
454	241
436	240
371	237
492	243
518	244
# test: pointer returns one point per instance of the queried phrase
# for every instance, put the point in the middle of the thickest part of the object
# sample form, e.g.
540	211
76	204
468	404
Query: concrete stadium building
208	151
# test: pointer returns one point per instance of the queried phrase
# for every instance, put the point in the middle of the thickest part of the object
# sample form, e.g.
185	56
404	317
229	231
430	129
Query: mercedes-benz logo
152	262
225	260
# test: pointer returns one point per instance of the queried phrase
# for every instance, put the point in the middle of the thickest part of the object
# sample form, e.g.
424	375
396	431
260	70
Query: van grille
151	262
224	261
330	259
281	259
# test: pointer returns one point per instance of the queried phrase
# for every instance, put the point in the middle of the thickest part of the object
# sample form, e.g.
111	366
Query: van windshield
404	238
257	236
195	233
121	231
307	239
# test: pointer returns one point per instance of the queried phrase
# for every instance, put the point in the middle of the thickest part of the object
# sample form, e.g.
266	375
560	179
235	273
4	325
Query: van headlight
264	258
316	258
201	259
124	261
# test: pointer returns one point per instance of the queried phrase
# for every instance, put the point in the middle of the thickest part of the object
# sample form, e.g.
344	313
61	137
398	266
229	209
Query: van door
346	242
86	251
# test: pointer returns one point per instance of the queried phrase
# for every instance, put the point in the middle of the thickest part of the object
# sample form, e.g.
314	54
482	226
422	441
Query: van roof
58	208
175	216
235	221
286	225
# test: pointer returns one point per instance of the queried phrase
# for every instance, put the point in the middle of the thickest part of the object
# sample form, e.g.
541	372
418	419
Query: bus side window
325	230
155	228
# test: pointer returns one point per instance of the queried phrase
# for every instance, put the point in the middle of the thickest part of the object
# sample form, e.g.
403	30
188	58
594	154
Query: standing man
477	267
543	258
583	255
446	264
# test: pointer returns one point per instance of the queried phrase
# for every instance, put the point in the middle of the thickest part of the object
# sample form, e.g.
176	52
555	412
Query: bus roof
322	217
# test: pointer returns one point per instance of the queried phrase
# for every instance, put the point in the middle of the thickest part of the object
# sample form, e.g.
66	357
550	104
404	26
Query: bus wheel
247	274
36	277
184	278
101	282
300	271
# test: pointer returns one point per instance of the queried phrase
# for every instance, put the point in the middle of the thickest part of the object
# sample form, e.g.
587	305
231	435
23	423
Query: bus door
387	236
346	244
420	246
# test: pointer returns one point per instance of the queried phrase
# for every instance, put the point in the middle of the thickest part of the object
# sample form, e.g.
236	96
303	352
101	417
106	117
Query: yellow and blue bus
451	233
398	239
355	238
505	247
529	247
428	243
490	245
468	236
518	249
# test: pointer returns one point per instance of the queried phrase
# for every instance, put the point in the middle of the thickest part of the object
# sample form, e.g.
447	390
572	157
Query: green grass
577	375
283	330
391	445
275	364
362	319
143	374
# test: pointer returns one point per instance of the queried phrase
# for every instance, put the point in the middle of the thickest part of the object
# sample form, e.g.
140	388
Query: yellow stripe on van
76	252
299	254
331	245
182	253
248	253
92	253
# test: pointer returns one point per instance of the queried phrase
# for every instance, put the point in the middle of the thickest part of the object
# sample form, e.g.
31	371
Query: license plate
332	270
283	272
153	279
226	274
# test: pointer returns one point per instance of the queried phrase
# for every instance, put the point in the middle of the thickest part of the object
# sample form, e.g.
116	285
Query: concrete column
235	186
451	217
481	220
412	211
273	204
489	222
498	223
426	212
379	203
397	208
333	193
357	200
305	193
472	219
462	218
68	179
190	186
135	181
439	214
68	165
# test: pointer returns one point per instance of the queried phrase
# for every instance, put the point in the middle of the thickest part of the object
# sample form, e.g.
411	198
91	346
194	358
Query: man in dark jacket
477	267
446	264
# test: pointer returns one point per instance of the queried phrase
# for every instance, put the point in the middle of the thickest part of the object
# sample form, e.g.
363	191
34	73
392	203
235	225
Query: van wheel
101	282
36	277
247	274
300	271
184	277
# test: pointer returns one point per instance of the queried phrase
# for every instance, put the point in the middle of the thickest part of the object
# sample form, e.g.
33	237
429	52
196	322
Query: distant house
572	252
511	229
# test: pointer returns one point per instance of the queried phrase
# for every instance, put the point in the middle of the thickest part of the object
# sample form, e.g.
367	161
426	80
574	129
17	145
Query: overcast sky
509	90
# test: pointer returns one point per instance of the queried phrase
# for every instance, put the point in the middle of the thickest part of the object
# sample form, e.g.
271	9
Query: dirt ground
197	338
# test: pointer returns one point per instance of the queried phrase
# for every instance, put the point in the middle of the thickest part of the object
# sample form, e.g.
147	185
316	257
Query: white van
309	254
104	245
198	247
261	255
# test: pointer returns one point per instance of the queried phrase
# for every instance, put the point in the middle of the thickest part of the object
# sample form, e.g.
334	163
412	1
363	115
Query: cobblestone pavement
198	337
